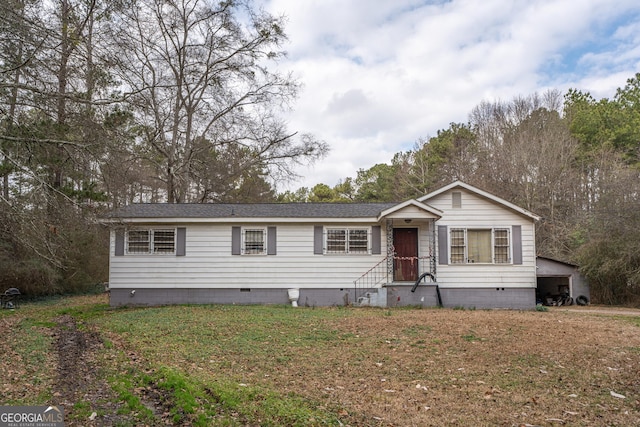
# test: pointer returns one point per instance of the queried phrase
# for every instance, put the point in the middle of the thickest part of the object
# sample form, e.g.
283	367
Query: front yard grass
277	365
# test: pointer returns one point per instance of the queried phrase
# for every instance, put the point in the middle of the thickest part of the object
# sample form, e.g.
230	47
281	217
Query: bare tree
201	89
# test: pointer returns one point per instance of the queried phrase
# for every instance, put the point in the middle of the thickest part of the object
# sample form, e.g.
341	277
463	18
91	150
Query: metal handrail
371	279
378	275
433	281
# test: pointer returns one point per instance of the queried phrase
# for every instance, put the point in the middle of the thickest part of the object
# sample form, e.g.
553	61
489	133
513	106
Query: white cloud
379	75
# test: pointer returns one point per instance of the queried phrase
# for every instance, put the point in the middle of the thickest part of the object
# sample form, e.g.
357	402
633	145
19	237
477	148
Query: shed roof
557	261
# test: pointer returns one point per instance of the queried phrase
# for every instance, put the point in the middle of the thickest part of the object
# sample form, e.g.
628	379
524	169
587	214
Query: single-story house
557	278
458	246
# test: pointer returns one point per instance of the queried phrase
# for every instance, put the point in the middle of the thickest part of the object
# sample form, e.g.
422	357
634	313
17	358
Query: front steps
399	294
373	298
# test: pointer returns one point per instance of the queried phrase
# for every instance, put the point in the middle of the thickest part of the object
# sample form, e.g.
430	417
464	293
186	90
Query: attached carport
555	278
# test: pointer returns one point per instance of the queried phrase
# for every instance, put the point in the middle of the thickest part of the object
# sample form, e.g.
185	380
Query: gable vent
456	197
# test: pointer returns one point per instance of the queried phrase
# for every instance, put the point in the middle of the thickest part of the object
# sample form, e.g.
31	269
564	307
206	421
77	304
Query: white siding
209	264
479	212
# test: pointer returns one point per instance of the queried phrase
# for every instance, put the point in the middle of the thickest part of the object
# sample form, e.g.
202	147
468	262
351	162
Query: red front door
405	262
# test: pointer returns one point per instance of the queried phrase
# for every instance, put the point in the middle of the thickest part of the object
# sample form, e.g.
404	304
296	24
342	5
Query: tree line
110	102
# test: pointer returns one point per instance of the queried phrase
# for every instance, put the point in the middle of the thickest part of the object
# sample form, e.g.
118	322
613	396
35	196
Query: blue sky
378	75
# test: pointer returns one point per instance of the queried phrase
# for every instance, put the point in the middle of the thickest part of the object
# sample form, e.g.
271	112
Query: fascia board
433	211
239	220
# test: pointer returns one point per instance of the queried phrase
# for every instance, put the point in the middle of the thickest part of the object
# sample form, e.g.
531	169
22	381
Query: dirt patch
74	350
87	399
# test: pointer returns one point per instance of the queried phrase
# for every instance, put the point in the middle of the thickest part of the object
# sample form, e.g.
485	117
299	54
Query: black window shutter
235	240
317	240
516	238
443	245
181	241
119	243
271	241
376	240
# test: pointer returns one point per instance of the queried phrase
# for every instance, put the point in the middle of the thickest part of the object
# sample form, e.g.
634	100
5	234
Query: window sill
150	254
349	254
481	263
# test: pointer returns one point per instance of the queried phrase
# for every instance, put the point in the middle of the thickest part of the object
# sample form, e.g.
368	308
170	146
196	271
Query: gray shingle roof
251	210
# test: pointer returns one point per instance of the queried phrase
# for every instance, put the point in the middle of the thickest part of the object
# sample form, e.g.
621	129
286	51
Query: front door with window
405	262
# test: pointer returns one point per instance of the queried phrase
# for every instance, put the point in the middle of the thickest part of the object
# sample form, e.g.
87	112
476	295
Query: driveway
600	309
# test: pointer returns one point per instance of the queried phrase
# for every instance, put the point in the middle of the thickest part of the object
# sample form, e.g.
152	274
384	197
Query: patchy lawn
257	365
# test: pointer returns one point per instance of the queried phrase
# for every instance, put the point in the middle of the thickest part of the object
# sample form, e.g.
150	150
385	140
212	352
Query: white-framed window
151	241
501	246
347	240
480	246
254	241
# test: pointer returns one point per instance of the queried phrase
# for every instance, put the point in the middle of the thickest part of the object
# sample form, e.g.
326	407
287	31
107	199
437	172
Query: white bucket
294	294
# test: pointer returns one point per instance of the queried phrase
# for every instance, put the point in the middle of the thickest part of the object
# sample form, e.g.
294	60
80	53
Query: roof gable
495	199
397	210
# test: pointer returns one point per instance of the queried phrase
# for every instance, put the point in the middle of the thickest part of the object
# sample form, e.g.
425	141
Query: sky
378	75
